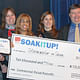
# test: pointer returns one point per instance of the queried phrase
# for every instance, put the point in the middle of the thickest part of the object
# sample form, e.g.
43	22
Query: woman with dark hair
6	29
47	27
8	22
24	25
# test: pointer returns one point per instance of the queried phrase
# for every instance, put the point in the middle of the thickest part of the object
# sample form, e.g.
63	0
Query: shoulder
31	34
4	33
66	27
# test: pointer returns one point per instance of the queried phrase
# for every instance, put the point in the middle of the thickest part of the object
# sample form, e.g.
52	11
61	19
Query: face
24	23
48	21
75	15
10	18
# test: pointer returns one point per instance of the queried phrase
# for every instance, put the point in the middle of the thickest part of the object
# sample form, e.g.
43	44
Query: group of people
46	29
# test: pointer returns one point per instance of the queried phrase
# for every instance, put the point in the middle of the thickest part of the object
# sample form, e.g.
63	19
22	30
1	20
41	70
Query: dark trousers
5	77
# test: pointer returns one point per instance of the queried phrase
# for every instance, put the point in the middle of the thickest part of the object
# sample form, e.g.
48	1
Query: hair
74	6
41	25
18	29
4	13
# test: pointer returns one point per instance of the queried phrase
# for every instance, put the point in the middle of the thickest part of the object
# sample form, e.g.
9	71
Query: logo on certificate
17	39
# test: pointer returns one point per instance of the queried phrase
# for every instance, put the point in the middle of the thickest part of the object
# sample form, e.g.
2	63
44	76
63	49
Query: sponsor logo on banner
17	38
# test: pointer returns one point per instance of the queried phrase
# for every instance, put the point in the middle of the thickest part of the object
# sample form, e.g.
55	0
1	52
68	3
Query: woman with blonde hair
23	26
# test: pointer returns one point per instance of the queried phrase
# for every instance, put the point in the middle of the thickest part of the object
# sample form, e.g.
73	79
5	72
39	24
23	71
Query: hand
40	35
4	68
12	45
1	57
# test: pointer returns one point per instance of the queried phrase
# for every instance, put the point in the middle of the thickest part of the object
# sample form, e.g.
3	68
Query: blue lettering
53	45
56	46
22	41
27	42
38	43
33	43
48	45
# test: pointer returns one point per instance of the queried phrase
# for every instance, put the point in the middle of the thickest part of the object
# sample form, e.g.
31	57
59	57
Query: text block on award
4	46
34	58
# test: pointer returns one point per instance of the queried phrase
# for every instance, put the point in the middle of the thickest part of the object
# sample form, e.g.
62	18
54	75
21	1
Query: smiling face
24	23
48	22
10	18
75	15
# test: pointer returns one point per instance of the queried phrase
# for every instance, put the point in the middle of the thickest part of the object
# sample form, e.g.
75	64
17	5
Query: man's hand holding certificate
4	46
35	58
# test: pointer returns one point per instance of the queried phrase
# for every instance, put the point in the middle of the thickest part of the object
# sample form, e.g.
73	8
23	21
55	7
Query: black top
63	34
4	33
48	34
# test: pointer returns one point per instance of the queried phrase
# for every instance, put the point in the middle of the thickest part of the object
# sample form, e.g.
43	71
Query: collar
10	26
73	25
48	29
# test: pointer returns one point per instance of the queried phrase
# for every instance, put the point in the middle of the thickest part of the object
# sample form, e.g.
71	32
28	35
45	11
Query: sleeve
61	34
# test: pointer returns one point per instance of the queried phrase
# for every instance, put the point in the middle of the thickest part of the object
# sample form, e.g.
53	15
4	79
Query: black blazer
4	33
63	34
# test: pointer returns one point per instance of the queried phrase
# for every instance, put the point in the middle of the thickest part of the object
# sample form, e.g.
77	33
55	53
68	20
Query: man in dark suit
67	33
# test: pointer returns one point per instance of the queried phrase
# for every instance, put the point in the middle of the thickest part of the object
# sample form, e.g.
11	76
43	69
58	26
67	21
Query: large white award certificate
4	46
34	58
